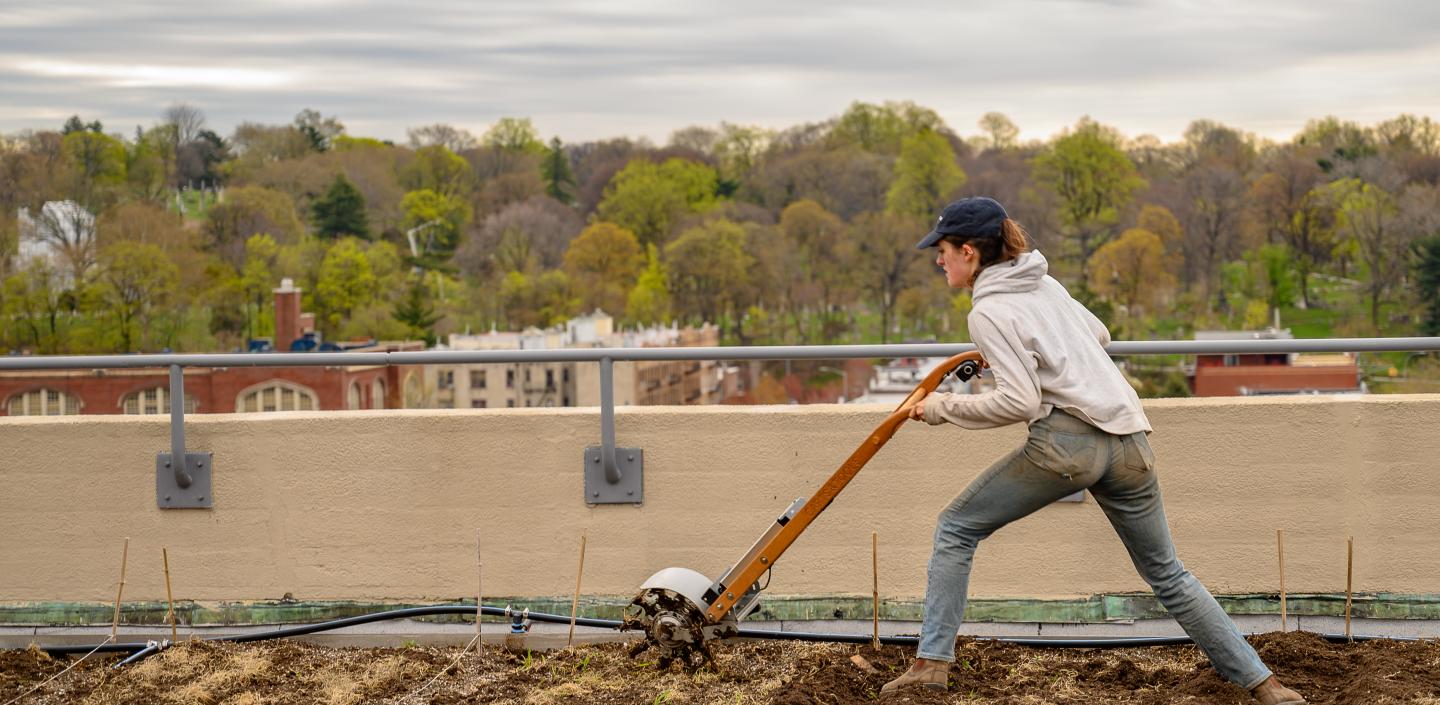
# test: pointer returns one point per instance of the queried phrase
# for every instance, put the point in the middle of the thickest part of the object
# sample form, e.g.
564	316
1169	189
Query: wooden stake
1280	542
480	590
1349	583
575	600
124	558
169	596
875	589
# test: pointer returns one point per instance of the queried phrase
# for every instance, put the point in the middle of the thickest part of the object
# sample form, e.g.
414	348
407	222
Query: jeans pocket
1138	456
1065	454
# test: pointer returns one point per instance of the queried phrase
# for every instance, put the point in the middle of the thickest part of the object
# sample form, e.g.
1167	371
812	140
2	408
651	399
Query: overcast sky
590	70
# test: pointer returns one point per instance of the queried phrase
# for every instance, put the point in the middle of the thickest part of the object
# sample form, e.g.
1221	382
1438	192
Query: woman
1087	431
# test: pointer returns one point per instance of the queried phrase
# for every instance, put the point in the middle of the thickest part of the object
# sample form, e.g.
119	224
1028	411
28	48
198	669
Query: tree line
172	237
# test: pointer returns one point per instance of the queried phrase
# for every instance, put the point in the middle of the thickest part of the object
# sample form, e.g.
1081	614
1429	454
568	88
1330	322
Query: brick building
219	390
1271	373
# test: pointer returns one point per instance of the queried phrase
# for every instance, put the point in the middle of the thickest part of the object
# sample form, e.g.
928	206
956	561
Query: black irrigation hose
145	648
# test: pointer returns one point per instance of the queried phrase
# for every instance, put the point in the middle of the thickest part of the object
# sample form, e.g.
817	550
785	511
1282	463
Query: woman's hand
916	410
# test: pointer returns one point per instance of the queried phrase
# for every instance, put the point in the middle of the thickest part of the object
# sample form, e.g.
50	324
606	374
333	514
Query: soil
757	673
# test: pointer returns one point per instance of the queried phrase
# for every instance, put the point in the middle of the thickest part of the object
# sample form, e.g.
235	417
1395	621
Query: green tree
319	130
341	211
555	169
708	271
1093	179
1427	279
880	128
435	220
345	283
1366	214
603	261
437	169
98	162
35	303
885	260
135	281
246	211
649	301
925	175
823	281
1130	271
539	300
1000	132
257	281
513	135
417	311
647	198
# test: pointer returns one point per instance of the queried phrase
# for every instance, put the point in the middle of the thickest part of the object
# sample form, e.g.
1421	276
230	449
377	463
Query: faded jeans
1064	455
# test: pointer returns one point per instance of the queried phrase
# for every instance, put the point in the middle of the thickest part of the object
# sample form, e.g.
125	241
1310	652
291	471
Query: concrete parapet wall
386	505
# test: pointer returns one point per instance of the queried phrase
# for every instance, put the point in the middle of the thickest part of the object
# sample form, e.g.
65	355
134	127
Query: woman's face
958	262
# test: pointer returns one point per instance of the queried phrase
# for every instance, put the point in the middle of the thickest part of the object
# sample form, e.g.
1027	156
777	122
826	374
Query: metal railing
185	483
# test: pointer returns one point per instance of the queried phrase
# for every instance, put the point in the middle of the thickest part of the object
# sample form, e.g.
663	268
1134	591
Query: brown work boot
934	675
1272	693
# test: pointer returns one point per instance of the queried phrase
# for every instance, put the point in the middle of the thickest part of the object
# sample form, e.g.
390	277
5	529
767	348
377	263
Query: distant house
1231	375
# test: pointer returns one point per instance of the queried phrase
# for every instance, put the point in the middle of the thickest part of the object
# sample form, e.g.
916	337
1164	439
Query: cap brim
930	240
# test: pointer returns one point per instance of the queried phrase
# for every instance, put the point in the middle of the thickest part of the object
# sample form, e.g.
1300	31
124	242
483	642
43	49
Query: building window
527	375
510	379
377	398
549	379
510	403
354	399
477	379
445	379
478	404
565	375
276	396
44	402
155	400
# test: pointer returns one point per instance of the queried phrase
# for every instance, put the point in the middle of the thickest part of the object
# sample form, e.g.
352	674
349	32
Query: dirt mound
755	673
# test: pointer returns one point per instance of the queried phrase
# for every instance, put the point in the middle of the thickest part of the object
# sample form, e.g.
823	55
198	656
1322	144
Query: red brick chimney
287	315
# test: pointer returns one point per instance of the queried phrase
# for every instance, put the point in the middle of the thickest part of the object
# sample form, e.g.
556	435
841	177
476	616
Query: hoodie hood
1017	275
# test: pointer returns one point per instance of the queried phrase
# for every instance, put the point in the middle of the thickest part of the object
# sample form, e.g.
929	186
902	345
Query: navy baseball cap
968	217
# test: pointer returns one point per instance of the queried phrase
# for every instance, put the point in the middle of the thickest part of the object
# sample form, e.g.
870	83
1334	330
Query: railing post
612	475
182	480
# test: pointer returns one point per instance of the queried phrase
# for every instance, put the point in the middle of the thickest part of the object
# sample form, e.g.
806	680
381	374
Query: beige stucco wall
387	504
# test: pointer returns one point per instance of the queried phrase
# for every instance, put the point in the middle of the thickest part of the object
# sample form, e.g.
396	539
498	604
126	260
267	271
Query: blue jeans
1064	455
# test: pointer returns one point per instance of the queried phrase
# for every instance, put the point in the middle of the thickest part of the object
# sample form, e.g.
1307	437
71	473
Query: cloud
590	70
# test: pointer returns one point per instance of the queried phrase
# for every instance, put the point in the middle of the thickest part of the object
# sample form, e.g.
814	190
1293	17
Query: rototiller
681	611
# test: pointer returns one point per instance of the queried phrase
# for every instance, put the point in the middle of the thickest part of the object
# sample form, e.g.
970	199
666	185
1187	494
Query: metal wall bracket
612	475
169	494
180	486
627	488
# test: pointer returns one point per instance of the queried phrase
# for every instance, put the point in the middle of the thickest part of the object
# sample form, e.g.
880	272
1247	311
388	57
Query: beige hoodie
1046	351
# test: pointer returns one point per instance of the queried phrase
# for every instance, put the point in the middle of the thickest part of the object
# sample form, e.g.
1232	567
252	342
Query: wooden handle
746	573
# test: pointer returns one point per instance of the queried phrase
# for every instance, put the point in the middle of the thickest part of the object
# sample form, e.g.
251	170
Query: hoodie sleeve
1016	396
1102	333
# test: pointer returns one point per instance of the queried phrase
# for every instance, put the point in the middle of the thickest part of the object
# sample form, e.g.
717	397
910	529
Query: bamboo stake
124	558
575	600
480	590
169	596
875	589
1280	542
1349	583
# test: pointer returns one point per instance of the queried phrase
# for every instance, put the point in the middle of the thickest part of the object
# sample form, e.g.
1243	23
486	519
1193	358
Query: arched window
377	398
353	399
43	402
155	400
276	395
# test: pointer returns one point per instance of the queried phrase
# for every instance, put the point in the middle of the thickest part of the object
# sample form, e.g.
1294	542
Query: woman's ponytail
1014	238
